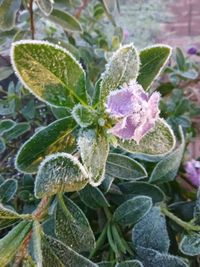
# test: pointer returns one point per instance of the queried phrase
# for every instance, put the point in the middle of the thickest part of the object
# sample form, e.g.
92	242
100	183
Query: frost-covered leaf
94	150
157	142
93	197
132	189
153	258
84	116
46	6
65	20
60	172
16	131
121	68
8	12
5	71
8	217
151	232
107	182
56	137
197	208
167	168
7	190
131	211
10	243
55	253
130	263
153	59
190	244
50	72
6	125
123	167
72	226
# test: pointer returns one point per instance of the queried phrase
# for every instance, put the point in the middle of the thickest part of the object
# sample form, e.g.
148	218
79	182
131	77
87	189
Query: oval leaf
123	167
8	12
167	168
141	188
60	172
93	197
49	72
7	190
6	125
131	211
121	68
158	142
45	6
8	217
55	253
65	20
72	227
94	150
151	232
54	138
16	131
153	59
190	244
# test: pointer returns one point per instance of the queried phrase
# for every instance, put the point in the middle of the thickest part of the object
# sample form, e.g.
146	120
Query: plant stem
100	241
41	209
32	26
187	226
108	213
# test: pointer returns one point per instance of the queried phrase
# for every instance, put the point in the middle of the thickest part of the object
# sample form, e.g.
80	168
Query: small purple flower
126	34
192	50
134	110
193	172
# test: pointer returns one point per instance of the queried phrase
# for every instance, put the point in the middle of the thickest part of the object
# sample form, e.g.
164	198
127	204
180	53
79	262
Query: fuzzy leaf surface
60	172
50	72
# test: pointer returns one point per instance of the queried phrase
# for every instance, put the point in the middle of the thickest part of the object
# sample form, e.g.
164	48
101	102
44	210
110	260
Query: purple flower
193	172
192	50
126	34
134	110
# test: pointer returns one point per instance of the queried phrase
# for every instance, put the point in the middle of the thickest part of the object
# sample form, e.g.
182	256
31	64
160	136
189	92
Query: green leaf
8	12
121	68
2	145
45	6
151	232
153	59
8	190
158	142
8	217
59	172
7	107
55	253
84	116
152	258
16	131
131	211
72	226
56	137
190	244
130	263
180	59
141	188
5	71
123	167
6	125
166	170
94	150
50	72
93	197
10	244
65	20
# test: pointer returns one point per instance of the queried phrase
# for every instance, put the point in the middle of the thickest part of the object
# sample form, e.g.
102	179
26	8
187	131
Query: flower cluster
134	110
193	172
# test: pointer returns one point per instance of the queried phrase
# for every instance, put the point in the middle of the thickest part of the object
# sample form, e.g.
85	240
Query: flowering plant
77	157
